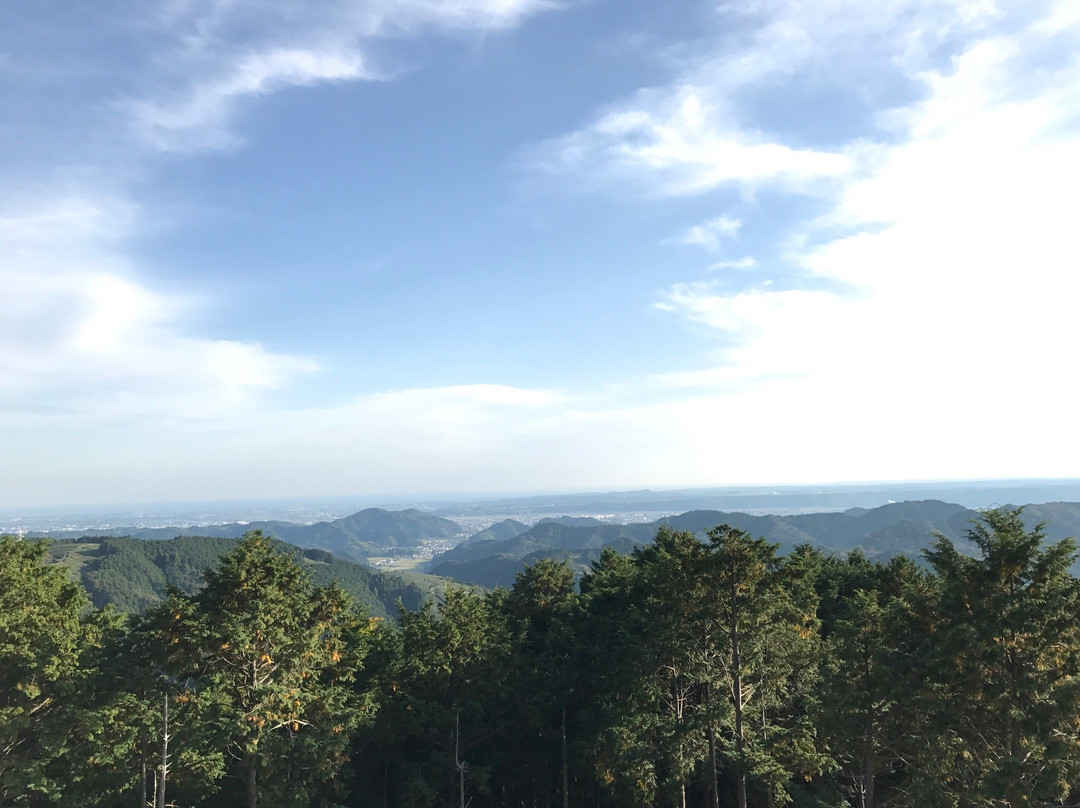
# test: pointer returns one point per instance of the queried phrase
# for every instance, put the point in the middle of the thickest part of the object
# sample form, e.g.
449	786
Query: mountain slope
133	574
500	531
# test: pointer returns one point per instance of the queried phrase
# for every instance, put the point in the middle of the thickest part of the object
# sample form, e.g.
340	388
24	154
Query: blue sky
263	249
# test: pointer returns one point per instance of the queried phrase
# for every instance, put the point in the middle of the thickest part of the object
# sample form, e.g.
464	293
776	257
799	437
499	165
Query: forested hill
358	537
882	532
133	574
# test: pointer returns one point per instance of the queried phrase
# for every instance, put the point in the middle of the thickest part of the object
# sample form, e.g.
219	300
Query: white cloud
709	234
82	329
447	441
746	262
681	145
200	121
204	75
460	14
696	134
959	261
950	237
80	333
1060	18
435	439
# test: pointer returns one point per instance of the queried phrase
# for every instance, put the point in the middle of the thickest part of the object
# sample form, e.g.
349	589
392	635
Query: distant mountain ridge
781	499
884	531
356	537
493	556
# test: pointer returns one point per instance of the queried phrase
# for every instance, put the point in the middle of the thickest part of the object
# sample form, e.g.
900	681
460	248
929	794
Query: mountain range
896	528
367	533
494	555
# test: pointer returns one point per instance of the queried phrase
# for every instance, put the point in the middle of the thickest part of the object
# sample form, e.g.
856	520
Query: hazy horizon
778	500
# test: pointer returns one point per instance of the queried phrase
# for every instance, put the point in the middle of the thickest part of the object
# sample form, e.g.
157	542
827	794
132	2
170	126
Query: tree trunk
251	779
736	693
142	772
458	763
868	767
711	734
164	751
565	775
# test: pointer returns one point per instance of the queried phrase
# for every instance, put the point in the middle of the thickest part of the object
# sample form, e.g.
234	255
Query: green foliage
443	700
684	673
272	659
1004	667
134	574
769	664
41	642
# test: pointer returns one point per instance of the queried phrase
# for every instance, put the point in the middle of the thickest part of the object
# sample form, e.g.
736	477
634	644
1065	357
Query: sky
265	248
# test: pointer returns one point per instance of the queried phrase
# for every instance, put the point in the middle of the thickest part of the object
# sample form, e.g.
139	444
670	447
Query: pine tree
618	719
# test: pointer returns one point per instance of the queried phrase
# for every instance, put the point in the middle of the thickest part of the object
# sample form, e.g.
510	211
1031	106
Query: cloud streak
201	120
80	333
710	234
220	55
679	145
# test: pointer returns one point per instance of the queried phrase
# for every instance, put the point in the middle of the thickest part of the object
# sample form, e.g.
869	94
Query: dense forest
134	574
682	673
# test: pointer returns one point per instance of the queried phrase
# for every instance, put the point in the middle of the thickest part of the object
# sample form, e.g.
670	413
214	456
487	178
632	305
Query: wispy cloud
709	234
746	262
201	119
218	55
679	144
80	332
698	133
957	262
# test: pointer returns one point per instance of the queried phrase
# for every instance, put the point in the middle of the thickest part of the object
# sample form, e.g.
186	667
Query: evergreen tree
444	702
872	635
769	665
542	610
1004	670
862	688
618	723
41	644
272	660
679	627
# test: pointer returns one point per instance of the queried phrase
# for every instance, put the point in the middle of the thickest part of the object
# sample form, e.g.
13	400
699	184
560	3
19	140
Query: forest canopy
683	673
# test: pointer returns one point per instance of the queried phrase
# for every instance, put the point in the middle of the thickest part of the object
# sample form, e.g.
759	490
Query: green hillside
500	531
133	574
